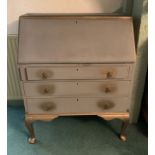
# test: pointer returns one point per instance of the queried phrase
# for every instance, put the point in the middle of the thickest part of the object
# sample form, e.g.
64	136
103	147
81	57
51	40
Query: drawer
77	88
86	71
76	105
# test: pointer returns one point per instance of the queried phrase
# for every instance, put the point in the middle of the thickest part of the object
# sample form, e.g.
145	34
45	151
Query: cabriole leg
29	125
125	124
122	116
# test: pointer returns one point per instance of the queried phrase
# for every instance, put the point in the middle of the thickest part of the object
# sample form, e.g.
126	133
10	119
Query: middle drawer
77	88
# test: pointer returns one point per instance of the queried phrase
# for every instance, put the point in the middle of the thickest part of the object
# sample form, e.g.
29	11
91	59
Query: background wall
140	14
138	9
19	7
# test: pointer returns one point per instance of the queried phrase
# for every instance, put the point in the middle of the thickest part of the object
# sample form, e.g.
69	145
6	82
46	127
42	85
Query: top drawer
103	71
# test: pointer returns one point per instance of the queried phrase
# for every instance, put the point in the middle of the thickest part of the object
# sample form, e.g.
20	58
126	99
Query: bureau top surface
76	39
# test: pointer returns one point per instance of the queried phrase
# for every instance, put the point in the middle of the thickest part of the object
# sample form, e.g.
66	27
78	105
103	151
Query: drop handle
48	106
44	75
105	104
109	75
107	90
46	90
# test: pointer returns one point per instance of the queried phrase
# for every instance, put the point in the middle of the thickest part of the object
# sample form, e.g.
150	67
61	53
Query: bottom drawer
62	106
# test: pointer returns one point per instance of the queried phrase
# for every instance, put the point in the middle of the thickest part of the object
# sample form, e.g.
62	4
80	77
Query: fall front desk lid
75	39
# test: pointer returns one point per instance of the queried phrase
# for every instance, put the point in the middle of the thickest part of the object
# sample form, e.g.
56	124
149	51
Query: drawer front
78	72
77	88
76	105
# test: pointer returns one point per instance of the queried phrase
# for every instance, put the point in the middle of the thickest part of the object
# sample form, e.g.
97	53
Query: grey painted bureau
76	65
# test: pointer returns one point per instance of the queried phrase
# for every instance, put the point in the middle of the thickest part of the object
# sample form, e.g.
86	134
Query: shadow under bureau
76	65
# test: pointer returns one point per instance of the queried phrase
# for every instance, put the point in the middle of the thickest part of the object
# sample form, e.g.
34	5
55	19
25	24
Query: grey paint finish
89	88
53	39
89	71
76	40
70	106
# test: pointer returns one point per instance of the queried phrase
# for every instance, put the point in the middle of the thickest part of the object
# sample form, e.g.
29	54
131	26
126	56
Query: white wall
19	7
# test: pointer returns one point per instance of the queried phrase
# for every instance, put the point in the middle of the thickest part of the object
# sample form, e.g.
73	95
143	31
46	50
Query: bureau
76	65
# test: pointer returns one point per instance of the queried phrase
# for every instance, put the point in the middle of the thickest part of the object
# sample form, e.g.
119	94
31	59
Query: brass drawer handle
108	88
106	104
108	75
44	74
46	89
47	106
